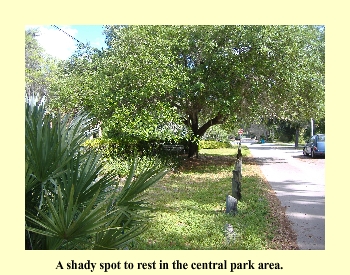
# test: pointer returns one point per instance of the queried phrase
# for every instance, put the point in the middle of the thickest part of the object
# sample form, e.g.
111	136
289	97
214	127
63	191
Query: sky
60	45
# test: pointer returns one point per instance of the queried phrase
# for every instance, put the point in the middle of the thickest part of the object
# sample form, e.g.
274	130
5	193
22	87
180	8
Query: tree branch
219	119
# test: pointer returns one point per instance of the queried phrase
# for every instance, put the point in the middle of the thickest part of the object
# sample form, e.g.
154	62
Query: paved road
299	183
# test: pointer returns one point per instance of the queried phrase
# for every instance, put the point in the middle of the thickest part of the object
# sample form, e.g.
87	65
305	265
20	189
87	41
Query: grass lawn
190	207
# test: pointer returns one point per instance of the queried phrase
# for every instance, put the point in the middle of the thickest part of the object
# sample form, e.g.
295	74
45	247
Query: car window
322	138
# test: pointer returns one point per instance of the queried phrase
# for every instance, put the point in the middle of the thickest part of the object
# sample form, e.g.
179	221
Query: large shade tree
202	76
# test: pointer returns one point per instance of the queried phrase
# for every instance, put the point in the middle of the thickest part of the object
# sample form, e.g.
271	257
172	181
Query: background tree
39	67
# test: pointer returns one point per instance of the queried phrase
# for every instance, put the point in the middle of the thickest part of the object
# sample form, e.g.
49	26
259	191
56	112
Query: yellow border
17	14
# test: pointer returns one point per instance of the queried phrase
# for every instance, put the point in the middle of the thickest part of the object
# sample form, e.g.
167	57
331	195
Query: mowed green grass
190	207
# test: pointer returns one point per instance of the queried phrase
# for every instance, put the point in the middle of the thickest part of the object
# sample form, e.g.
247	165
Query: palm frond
70	204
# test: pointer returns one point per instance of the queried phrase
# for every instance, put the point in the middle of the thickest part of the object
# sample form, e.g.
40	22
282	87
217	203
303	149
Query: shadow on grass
190	209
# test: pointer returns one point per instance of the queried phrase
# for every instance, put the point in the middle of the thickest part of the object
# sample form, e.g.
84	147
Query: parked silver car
316	146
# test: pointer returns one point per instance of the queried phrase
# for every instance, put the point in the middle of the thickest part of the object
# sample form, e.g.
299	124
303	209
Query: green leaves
40	69
252	70
153	76
51	142
133	188
70	203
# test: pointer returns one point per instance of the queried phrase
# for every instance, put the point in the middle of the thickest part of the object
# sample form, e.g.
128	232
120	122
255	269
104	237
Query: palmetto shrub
69	202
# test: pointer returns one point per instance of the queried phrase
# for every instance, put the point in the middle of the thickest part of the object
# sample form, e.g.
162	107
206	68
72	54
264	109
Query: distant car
316	146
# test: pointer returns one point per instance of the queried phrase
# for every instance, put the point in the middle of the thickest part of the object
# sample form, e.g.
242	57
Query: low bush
213	144
119	154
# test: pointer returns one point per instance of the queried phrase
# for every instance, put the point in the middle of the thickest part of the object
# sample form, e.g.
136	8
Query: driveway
299	183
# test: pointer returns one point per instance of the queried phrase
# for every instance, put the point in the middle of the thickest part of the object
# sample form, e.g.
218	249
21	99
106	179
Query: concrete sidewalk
299	183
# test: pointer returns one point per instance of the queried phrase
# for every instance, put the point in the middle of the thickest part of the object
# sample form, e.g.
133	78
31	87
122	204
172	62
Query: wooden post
236	181
231	201
237	176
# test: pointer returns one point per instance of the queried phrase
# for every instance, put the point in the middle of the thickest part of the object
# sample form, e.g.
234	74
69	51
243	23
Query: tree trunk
192	149
192	121
296	137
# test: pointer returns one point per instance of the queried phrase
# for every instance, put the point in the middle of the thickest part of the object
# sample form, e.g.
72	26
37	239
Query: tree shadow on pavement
262	160
306	211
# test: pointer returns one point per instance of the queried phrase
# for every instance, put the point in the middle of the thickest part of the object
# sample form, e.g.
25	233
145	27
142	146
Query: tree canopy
198	76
